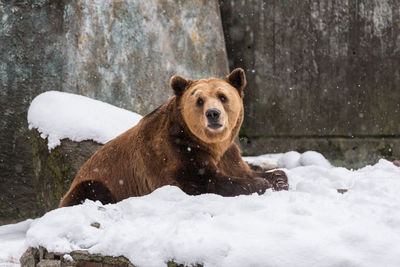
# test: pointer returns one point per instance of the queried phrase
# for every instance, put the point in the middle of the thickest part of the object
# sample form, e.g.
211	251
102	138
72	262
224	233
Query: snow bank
59	115
310	225
12	238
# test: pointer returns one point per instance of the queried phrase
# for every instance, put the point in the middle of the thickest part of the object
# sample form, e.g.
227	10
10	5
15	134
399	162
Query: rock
49	263
30	257
342	191
121	52
54	170
396	163
78	258
95	224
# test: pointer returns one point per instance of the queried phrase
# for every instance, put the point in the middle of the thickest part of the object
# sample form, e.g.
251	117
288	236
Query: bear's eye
200	102
222	98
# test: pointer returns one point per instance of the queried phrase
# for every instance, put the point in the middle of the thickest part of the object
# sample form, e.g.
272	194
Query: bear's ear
179	84
237	79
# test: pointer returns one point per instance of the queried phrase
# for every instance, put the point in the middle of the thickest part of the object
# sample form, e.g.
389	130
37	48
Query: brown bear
187	142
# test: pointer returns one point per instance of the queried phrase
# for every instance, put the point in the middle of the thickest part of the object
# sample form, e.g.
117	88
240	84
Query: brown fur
173	146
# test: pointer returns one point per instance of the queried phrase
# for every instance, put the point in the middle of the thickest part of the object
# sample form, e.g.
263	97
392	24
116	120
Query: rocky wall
317	70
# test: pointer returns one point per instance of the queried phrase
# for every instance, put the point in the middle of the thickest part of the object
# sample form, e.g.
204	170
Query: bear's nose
212	114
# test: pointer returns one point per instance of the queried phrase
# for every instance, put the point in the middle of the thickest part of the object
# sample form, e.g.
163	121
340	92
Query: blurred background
322	75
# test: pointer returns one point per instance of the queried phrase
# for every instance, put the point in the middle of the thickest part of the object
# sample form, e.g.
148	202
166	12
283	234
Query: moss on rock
55	170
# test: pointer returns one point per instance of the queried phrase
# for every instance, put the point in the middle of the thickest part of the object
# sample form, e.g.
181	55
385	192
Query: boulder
40	257
55	169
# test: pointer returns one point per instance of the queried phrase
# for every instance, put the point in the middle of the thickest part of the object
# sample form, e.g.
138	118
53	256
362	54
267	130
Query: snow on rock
59	115
309	225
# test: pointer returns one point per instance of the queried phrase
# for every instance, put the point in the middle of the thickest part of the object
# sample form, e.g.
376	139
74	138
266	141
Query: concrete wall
318	70
121	52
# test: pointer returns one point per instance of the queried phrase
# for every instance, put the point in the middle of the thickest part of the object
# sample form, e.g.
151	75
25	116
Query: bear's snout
212	114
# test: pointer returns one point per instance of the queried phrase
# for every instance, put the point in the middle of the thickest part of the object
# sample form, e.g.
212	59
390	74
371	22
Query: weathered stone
49	263
83	258
397	163
121	52
80	258
89	264
54	170
30	258
95	224
30	63
316	69
82	255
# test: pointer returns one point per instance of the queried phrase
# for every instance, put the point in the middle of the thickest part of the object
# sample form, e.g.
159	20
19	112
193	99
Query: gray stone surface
121	52
49	263
317	68
30	257
80	258
30	62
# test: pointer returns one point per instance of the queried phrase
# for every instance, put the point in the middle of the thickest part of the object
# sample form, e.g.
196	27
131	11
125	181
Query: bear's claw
279	180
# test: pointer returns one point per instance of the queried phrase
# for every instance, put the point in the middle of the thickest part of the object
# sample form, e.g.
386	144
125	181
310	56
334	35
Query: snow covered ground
309	225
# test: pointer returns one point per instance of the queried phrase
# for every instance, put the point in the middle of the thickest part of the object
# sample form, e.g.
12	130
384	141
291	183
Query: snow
12	238
294	159
59	115
290	160
309	225
68	257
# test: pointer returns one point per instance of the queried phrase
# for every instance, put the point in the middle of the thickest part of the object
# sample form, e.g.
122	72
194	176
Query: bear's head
212	108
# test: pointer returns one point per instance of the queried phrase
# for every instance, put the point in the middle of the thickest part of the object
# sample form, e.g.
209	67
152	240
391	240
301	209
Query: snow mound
290	160
59	115
309	225
310	158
